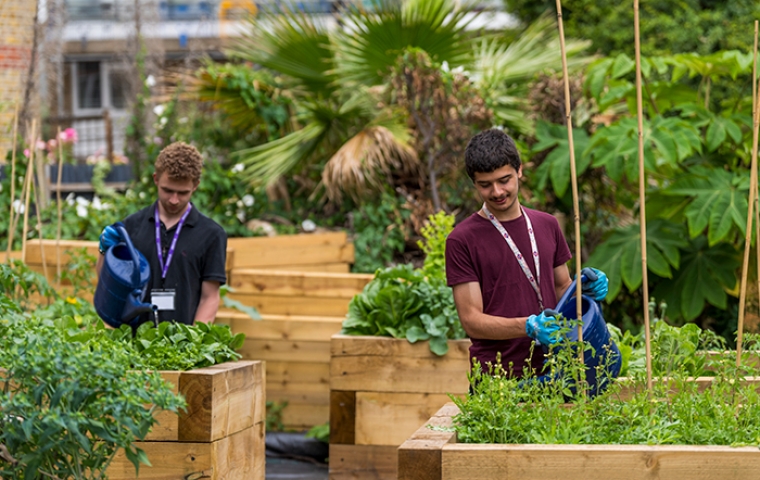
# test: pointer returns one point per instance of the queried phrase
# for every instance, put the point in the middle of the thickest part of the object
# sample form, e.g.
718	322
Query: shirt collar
190	221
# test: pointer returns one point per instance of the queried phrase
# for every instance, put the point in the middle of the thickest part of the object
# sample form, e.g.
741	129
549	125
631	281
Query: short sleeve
216	258
562	253
459	266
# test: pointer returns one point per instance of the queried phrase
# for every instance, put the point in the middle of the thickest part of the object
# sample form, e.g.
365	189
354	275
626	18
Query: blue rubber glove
109	237
543	327
596	283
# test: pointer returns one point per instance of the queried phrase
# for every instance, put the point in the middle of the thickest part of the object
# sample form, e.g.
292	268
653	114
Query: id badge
163	299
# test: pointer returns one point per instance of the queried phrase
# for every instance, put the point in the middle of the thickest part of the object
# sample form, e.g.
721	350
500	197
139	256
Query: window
88	85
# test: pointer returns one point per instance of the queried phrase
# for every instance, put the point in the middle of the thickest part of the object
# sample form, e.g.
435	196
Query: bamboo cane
642	195
28	189
751	204
11	223
60	211
37	195
573	179
757	199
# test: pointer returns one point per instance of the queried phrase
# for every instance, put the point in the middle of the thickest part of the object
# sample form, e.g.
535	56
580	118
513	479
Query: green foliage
68	408
434	235
274	415
401	303
509	410
380	233
175	346
555	166
18	282
713	25
320	432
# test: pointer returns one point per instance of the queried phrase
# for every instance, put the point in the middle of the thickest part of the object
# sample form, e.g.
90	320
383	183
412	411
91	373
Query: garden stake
28	188
752	195
58	199
37	194
574	181
11	224
642	195
757	198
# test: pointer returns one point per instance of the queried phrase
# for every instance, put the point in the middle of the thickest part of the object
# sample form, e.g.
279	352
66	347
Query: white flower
150	81
18	207
238	168
182	120
96	203
141	195
82	201
159	109
82	211
228	213
70	198
239	203
445	66
163	121
240	215
248	200
308	226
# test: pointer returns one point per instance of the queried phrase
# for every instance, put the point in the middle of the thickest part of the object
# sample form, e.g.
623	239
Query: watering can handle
569	292
132	253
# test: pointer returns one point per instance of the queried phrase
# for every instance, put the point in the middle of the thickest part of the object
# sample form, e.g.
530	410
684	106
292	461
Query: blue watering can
604	362
122	284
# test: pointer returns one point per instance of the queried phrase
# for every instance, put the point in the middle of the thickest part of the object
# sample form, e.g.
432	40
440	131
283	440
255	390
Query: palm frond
292	44
497	66
372	41
265	164
357	166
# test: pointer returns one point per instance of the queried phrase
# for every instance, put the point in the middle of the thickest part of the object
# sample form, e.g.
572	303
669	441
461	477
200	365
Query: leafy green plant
433	244
401	303
320	432
68	408
175	346
380	233
274	415
501	409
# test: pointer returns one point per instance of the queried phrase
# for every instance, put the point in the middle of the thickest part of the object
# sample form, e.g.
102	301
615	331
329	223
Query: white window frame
106	68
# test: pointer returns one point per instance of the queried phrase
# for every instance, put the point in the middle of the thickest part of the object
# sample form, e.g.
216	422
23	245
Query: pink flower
51	144
68	136
40	145
26	152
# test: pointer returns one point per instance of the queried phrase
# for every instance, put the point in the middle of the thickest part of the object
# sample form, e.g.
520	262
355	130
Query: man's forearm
207	309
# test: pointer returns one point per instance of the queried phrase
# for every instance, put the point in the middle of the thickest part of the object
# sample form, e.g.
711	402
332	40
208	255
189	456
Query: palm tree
337	81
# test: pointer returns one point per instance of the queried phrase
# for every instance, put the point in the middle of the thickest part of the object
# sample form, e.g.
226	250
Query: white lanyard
534	281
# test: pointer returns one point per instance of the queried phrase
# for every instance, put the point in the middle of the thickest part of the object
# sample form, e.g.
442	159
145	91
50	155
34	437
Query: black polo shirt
200	255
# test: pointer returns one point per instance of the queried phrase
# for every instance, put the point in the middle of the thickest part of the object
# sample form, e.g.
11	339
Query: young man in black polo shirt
186	250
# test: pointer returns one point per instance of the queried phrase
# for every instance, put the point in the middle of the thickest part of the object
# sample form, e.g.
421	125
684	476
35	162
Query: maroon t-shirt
476	252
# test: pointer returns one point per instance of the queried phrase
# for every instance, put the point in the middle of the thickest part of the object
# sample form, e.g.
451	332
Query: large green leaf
292	44
619	256
718	201
706	273
556	165
373	41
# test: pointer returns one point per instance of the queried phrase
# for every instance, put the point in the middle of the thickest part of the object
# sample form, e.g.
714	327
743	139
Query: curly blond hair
180	161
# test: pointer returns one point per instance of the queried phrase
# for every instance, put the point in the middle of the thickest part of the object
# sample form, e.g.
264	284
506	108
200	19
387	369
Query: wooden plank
362	462
310	393
391	418
167	428
285	373
583	462
221	400
350	345
316	267
303	417
34	252
302	284
15	255
282	327
322	248
279	305
286	350
342	417
419	457
399	374
231	458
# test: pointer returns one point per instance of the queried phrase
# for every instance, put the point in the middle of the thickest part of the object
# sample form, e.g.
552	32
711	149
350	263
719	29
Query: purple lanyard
165	267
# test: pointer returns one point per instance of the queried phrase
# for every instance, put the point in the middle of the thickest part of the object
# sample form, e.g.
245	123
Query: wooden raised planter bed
435	455
381	390
219	437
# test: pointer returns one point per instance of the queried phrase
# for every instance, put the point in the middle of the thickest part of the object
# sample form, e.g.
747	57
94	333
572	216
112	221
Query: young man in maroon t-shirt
507	263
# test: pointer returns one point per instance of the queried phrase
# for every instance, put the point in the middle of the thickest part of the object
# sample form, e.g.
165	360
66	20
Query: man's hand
109	237
543	327
596	283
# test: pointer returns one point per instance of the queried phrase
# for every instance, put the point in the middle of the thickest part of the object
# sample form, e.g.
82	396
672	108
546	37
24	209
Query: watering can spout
133	307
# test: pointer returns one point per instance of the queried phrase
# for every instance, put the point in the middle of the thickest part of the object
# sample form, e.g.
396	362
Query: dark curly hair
180	161
490	150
